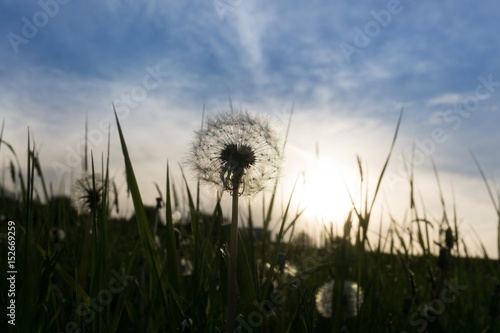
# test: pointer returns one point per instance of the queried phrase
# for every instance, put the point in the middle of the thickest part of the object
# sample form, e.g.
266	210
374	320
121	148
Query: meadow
79	267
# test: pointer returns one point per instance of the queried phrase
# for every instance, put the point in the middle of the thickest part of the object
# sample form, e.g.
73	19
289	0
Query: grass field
79	268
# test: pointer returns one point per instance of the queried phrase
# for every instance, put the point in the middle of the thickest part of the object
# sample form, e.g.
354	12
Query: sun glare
324	193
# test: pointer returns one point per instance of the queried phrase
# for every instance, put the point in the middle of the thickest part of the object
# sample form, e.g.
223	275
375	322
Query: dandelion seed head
87	197
237	149
351	301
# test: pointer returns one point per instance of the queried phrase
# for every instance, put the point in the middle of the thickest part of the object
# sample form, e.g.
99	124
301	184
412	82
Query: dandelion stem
232	285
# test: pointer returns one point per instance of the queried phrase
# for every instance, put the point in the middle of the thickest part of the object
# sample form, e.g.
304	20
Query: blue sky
346	68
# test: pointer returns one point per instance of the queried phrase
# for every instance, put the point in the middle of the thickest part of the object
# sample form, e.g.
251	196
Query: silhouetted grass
109	274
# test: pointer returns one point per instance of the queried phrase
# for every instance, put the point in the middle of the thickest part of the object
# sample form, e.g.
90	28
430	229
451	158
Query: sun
324	192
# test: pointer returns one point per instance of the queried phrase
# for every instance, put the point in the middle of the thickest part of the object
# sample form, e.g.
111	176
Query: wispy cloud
446	99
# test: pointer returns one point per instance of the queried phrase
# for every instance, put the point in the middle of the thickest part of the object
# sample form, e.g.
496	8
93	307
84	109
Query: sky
341	71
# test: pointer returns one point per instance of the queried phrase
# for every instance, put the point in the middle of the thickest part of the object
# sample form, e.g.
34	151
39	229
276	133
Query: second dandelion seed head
88	193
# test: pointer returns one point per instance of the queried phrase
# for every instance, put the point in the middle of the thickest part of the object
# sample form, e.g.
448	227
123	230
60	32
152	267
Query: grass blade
142	222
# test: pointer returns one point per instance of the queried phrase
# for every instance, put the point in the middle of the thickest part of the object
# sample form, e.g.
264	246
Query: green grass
109	275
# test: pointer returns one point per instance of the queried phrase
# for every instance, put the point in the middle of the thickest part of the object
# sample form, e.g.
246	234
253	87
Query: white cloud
446	99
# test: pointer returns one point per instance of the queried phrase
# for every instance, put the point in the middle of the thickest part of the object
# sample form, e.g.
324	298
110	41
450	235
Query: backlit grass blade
381	176
496	203
172	268
142	221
